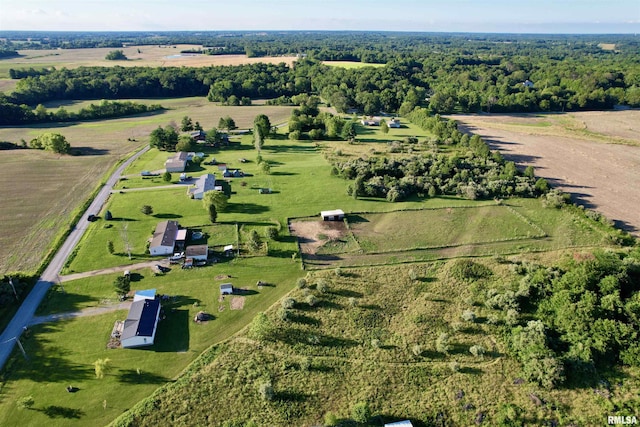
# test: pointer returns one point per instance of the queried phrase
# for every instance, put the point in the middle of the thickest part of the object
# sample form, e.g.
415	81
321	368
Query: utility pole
59	283
24	353
13	287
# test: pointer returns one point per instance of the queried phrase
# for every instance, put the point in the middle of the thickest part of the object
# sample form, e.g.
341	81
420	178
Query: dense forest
444	73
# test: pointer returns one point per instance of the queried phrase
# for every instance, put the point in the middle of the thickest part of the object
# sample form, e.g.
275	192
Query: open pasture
138	56
406	230
595	156
439	231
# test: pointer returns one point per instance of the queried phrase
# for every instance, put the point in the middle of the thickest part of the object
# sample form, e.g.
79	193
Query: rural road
25	313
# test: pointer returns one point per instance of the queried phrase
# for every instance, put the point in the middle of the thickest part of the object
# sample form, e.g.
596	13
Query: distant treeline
444	73
11	114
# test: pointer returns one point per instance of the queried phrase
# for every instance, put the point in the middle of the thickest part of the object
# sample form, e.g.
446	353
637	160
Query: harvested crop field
595	156
138	56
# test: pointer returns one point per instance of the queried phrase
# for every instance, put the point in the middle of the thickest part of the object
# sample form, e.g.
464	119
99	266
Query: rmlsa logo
621	420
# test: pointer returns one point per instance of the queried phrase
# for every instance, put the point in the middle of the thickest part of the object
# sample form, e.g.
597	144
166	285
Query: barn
142	321
334	215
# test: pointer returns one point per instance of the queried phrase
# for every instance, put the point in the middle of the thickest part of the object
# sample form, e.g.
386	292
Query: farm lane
120	268
50	275
90	311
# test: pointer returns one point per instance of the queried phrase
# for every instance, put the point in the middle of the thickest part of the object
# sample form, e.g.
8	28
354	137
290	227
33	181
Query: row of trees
51	141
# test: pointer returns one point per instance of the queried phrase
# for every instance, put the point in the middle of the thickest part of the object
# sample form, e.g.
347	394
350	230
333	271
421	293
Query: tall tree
216	198
262	121
187	124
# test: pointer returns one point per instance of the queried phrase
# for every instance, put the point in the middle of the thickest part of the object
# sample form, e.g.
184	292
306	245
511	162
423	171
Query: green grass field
438	228
62	353
358	344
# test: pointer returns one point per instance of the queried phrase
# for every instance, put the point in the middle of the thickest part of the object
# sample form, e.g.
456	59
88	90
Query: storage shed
334	215
226	289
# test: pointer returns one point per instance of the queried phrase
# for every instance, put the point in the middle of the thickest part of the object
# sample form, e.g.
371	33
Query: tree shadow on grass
347	293
304	319
54	411
471	370
46	362
131	376
247	208
167	216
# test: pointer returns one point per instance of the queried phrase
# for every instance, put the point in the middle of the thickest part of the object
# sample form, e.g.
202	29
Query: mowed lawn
62	353
389	232
41	190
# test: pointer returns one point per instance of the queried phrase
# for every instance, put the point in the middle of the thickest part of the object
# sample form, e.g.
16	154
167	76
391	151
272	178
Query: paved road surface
25	313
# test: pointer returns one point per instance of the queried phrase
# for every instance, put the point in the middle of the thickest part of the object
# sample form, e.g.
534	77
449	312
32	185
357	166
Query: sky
495	16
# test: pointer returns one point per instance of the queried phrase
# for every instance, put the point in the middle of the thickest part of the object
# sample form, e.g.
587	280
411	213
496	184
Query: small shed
405	423
334	215
226	289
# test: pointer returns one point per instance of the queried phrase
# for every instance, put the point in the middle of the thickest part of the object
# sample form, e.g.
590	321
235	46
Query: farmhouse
197	252
226	289
164	238
206	182
141	323
394	123
334	215
176	163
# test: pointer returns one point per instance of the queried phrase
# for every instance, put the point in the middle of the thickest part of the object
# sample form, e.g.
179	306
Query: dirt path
599	175
132	267
91	311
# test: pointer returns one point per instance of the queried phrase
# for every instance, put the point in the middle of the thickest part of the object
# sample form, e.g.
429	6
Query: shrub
454	366
312	300
469	316
465	269
360	412
330	419
417	350
266	390
271	233
477	350
442	343
288	303
322	286
301	283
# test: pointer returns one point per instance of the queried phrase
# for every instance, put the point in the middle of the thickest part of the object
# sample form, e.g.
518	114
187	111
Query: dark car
91	218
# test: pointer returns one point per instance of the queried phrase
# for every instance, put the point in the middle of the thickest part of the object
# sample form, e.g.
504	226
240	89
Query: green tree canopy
215	198
52	142
116	55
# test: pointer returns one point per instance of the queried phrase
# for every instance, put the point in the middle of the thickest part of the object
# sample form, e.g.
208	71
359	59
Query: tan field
595	156
150	56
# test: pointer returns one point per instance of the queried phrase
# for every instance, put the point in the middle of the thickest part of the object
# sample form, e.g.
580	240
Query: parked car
91	218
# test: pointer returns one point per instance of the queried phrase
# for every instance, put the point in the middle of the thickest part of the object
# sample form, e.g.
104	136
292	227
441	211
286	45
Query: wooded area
444	73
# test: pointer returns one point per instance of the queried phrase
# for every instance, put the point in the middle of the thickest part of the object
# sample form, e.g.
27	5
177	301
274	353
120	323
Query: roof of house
195	250
206	182
334	212
181	234
178	159
142	318
165	234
